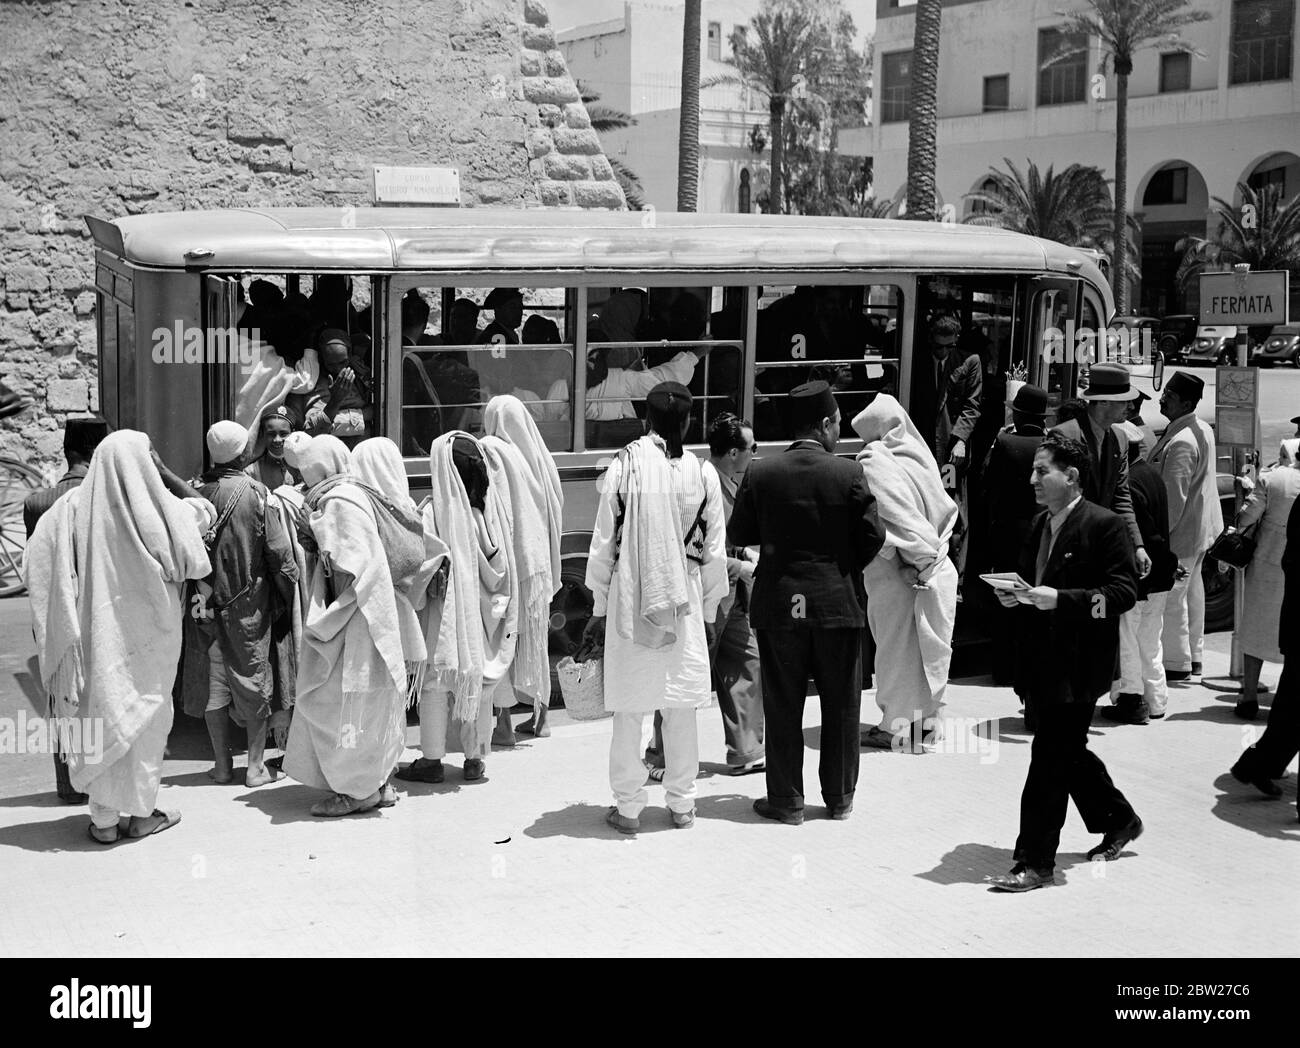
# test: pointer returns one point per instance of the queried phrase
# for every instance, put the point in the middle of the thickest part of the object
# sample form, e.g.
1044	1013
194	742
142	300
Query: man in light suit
1081	562
1185	456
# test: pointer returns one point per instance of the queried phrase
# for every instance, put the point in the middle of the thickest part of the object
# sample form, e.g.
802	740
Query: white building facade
1197	124
634	63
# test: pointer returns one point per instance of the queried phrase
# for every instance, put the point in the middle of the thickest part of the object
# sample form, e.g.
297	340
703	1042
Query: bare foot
222	777
259	776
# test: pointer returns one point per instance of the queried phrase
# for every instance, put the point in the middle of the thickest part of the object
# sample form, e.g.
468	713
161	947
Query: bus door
221	367
1051	325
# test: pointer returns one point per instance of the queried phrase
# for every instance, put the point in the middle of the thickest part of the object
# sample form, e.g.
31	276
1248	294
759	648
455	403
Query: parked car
1213	346
1281	346
1176	332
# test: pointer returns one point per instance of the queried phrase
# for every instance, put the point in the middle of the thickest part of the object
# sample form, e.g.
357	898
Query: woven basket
583	687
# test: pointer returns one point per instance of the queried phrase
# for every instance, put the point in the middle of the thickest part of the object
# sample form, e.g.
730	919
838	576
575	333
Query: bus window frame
397	284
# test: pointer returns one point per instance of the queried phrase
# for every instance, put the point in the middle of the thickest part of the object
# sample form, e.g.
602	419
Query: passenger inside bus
616	376
340	404
331	303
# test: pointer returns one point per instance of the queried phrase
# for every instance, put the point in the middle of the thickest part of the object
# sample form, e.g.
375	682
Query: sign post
1241	298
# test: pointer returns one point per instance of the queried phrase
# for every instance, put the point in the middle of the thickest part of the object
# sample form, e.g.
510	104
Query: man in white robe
657	568
107	565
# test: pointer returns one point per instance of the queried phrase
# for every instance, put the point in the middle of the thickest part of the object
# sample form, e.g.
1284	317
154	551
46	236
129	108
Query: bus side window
638	338
453	363
845	334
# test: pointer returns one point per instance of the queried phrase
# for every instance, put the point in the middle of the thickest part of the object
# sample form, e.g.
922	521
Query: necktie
1044	551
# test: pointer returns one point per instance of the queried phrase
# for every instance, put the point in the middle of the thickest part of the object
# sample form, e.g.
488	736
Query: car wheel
1295	360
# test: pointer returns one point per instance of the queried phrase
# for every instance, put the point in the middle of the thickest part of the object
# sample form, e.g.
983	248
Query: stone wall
116	107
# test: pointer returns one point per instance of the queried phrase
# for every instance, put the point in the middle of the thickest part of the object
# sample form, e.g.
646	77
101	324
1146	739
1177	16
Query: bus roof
422	239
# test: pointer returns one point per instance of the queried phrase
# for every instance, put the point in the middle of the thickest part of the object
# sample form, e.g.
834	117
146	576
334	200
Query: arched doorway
1172	202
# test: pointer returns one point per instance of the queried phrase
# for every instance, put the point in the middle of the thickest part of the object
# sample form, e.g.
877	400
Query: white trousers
1184	632
475	736
1141	659
627	773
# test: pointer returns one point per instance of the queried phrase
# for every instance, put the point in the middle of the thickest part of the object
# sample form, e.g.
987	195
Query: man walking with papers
1080	560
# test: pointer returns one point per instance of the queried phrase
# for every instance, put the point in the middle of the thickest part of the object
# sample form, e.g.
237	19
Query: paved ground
522	863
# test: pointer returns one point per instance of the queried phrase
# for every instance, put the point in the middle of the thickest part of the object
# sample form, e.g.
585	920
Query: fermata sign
1244	298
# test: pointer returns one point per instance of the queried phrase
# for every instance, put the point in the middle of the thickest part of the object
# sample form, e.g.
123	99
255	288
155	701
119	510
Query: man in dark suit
1011	508
80	438
1108	397
815	524
1081	562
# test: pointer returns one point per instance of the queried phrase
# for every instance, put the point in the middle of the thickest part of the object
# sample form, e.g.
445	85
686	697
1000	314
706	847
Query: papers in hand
1007	580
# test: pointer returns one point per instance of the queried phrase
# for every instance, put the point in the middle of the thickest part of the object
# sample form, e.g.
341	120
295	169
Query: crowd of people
305	595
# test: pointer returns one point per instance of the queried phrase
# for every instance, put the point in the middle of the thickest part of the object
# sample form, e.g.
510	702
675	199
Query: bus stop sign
1244	298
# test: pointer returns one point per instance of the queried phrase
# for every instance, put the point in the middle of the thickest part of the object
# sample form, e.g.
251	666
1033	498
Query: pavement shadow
1218	713
1246	808
587	821
49	799
970	864
59	835
293	804
729	807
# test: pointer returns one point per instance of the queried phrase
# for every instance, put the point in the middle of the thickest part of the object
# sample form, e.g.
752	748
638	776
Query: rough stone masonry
117	107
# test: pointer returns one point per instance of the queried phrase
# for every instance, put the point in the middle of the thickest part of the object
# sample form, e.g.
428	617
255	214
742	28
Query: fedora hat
1110	382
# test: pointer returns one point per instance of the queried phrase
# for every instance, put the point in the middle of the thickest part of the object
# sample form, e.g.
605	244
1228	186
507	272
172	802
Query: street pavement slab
522	863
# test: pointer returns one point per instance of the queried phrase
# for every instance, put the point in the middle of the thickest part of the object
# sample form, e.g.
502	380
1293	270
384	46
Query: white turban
226	441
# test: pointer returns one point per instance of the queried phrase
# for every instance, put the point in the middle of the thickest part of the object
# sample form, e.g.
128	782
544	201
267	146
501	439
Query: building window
1166	187
1175	72
895	86
1062	82
997	93
1262	40
715	41
1275	176
989	188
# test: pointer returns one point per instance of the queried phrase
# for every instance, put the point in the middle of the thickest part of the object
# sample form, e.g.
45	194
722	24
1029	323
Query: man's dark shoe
1128	709
789	816
840	812
1113	843
1023	879
1242	772
1178	674
1196	669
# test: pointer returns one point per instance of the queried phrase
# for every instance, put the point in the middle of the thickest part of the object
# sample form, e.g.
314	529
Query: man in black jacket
1011	509
1140	693
1080	560
815	524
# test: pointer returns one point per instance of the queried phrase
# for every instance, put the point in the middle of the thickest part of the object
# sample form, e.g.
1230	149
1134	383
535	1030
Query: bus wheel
17	481
570	610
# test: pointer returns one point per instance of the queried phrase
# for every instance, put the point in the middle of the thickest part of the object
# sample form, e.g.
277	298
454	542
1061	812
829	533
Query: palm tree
606	118
1271	240
923	112
688	127
1125	27
786	35
1072	207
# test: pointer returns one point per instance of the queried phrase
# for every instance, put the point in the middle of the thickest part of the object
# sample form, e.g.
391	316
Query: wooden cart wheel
17	481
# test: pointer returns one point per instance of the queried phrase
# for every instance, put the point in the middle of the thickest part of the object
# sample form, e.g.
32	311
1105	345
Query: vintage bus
570	310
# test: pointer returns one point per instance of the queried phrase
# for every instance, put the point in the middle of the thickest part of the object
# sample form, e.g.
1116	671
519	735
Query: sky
565	14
